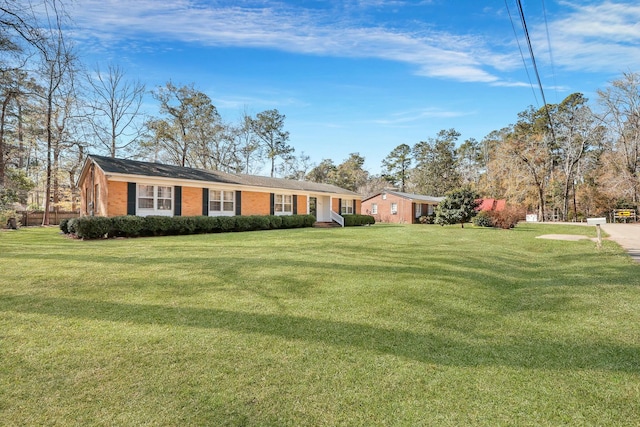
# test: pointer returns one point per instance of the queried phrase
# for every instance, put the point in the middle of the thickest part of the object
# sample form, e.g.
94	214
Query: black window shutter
238	202
339	206
131	198
272	203
354	207
177	208
205	201
295	204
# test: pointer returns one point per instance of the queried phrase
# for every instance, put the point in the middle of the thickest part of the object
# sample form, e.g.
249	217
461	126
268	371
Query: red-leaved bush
506	218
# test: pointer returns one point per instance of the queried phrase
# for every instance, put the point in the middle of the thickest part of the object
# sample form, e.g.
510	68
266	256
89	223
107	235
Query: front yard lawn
383	325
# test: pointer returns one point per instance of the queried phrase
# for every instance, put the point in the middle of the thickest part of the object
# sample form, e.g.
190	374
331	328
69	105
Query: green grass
383	325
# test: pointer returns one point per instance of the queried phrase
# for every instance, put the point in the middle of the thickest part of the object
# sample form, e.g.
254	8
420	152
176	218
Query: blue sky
365	75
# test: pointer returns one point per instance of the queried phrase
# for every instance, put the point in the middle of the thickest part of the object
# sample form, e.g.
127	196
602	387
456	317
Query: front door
323	207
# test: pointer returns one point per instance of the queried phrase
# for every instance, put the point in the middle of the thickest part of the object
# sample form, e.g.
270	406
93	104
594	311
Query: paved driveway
627	236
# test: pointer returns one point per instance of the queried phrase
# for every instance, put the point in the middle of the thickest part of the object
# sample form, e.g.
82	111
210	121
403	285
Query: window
394	208
418	210
283	204
384	197
155	200
347	207
374	209
221	202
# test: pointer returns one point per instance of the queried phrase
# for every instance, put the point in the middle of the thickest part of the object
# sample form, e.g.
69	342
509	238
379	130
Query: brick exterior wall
117	199
406	209
191	201
95	187
254	203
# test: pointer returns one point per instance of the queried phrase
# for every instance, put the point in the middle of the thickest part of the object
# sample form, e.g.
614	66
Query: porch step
325	224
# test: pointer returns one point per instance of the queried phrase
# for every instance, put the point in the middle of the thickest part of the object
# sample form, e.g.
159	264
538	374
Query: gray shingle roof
134	167
416	197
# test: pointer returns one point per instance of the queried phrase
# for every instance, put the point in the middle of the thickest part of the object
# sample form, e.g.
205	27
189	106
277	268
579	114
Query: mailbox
596	221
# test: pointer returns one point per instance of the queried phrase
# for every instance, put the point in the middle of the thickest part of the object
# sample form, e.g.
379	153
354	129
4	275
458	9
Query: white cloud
601	37
316	32
412	116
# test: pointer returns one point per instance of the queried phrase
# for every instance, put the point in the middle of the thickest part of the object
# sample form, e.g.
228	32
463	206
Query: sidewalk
627	236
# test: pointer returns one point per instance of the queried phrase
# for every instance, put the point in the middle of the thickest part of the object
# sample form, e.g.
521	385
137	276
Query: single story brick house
113	187
398	207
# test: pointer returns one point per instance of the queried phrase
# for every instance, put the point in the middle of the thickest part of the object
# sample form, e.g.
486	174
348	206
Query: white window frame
156	200
374	209
227	202
394	208
282	202
347	207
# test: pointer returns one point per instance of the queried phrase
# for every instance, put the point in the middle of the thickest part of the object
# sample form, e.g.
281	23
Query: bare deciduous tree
115	109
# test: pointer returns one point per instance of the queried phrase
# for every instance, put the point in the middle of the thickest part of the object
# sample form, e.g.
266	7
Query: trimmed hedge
92	227
354	220
134	226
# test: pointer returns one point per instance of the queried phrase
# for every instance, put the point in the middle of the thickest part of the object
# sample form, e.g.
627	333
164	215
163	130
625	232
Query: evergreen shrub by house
135	226
483	219
63	225
355	220
92	227
275	222
71	225
427	219
127	226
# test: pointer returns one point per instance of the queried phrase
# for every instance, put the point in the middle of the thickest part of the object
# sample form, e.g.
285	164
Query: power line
553	72
524	61
535	66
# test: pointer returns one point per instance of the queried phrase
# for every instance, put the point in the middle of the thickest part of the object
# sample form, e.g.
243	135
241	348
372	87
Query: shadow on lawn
517	351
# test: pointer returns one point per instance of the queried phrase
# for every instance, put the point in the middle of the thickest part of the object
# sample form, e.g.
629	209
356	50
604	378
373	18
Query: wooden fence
35	218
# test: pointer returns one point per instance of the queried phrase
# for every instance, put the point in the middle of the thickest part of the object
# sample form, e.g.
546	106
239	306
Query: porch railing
336	217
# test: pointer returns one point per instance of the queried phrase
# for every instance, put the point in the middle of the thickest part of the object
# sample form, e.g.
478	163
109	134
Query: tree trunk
3	115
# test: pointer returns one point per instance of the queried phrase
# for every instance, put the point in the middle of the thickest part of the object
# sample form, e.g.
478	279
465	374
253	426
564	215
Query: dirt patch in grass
570	237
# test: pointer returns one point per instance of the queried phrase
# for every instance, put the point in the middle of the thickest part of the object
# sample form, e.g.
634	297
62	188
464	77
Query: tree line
563	161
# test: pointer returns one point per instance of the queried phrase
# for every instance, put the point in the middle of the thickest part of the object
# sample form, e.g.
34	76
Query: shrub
355	220
243	223
226	223
71	225
507	218
5	215
63	225
483	219
291	221
275	221
126	226
297	221
182	225
133	226
309	220
92	227
156	225
259	222
427	219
